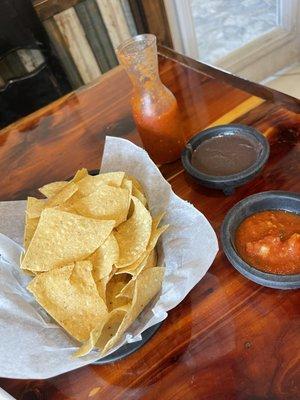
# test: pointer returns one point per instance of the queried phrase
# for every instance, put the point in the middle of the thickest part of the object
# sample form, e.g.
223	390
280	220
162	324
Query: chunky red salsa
270	241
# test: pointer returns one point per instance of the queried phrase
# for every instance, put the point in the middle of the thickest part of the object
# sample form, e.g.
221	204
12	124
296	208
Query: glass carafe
155	109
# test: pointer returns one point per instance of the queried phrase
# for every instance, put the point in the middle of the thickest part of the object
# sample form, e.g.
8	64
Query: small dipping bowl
265	201
244	148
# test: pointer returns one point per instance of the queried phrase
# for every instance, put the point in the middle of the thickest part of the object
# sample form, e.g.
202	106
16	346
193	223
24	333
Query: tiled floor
286	81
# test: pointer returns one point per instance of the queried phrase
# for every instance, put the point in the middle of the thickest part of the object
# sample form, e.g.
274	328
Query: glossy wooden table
230	338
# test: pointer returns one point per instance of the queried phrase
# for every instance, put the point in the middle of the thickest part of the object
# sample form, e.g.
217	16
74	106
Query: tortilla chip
139	195
25	270
127	184
133	235
51	189
88	346
107	202
151	245
34	207
136	183
155	234
104	258
102	333
149	262
30	227
114	287
112	178
61	238
101	287
147	285
90	184
152	259
130	269
80	174
128	290
70	296
112	325
63	195
157	220
113	271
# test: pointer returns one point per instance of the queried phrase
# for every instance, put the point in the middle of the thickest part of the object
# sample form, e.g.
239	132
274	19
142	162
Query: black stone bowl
275	200
226	183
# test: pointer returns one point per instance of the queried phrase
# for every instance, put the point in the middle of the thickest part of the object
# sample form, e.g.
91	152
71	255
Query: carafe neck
139	57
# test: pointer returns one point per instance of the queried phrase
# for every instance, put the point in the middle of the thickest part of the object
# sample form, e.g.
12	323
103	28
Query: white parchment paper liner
32	345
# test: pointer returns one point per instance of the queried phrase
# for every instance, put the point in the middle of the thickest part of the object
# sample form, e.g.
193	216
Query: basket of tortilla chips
105	258
91	246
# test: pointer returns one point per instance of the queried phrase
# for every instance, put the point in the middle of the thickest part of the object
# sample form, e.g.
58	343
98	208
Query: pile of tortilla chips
91	246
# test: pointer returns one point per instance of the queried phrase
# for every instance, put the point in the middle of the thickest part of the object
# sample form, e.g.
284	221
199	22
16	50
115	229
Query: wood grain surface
230	338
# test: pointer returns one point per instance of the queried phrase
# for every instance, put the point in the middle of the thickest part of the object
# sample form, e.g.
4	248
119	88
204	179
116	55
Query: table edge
257	89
